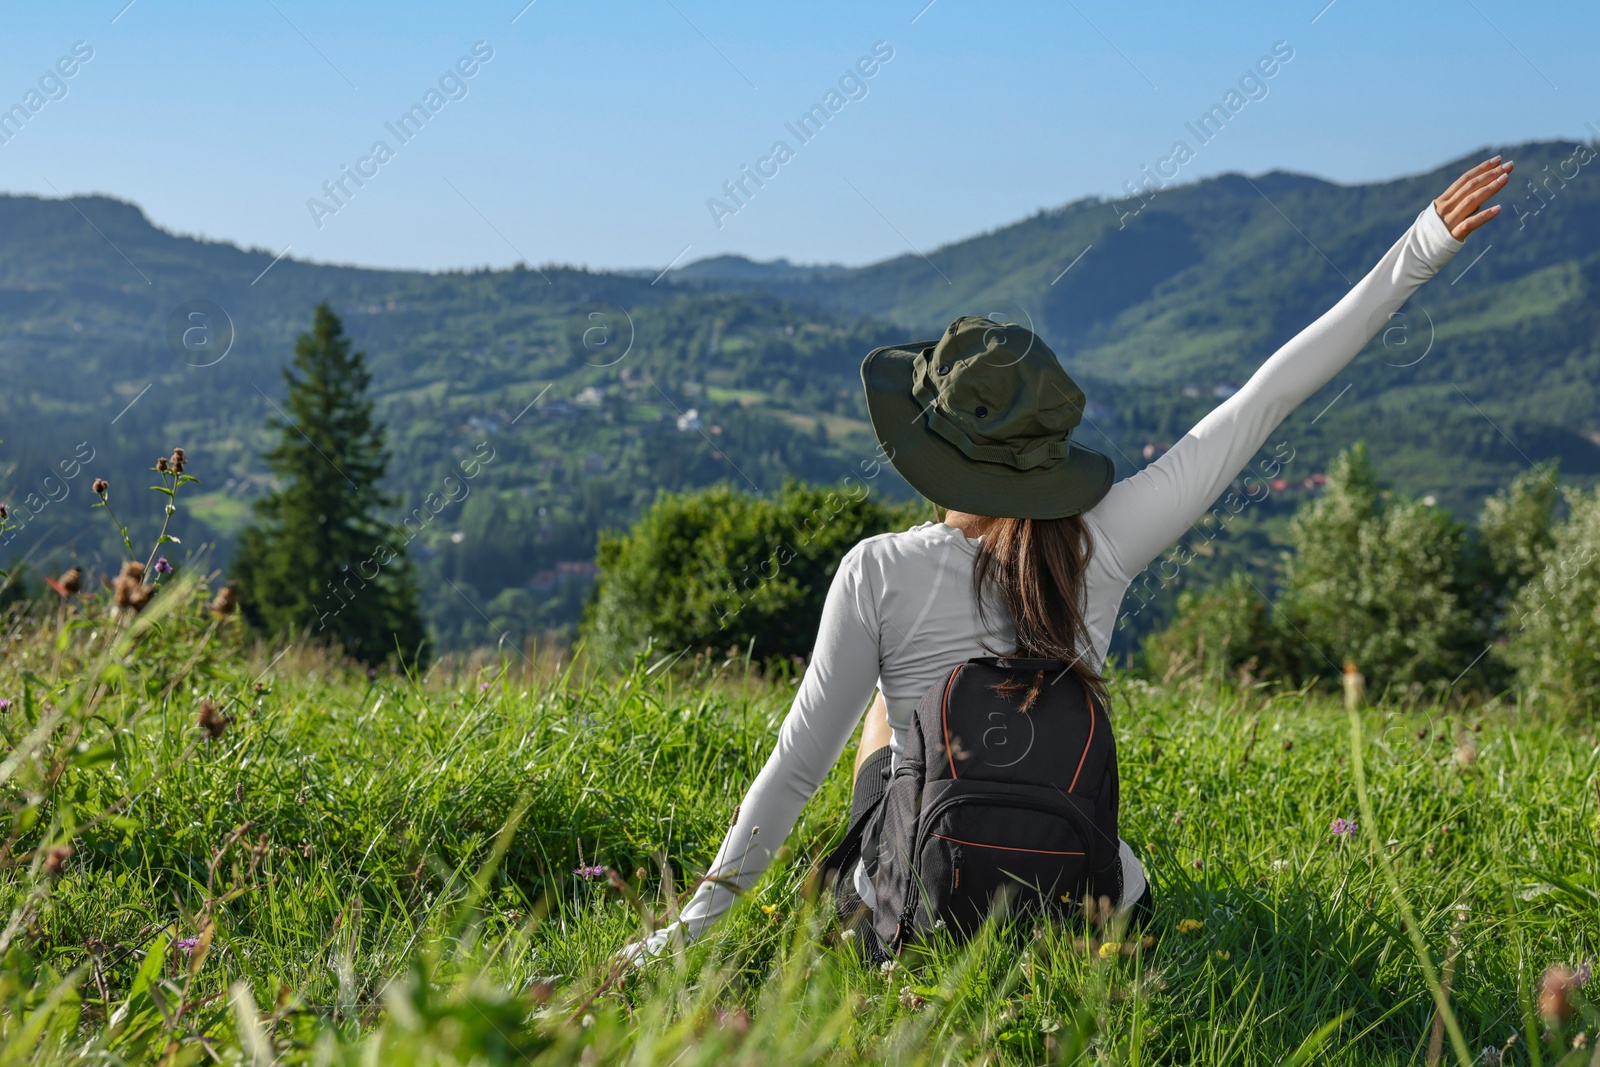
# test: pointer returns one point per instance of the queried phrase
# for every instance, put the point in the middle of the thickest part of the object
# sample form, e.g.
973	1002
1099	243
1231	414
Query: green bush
1224	631
1554	624
1381	580
720	569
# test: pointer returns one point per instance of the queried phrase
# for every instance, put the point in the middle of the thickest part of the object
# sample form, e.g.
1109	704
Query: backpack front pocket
982	852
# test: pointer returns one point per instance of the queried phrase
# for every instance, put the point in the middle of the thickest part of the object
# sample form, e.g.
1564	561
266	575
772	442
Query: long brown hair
1036	568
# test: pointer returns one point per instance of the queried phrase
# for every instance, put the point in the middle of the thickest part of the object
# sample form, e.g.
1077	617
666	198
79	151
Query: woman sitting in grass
1038	542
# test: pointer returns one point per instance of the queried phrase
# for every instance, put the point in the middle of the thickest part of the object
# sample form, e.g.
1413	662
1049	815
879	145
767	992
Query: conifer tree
318	561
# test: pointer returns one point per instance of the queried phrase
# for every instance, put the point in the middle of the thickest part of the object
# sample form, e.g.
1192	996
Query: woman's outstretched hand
1459	204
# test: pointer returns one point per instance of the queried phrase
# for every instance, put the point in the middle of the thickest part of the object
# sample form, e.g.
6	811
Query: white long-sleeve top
901	610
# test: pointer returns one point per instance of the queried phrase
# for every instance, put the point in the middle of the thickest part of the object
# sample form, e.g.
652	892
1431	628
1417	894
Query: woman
1037	546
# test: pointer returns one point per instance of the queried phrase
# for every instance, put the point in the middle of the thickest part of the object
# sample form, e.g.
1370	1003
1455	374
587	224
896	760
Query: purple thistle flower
483	687
5	705
187	944
589	872
162	566
1343	827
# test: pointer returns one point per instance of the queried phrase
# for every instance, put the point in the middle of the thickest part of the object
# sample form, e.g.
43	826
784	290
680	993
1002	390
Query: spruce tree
318	561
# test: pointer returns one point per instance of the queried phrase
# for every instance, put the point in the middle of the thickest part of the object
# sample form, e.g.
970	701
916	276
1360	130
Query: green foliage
1379	579
382	871
723	569
317	560
1554	623
1516	526
1223	632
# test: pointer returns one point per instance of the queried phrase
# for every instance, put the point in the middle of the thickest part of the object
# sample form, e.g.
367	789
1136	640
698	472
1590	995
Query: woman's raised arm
1145	513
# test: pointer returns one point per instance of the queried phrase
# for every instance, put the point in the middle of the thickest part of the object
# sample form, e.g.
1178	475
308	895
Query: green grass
385	869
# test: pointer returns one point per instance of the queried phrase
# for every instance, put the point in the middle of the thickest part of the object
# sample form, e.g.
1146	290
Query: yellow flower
1109	949
1221	955
770	909
1189	926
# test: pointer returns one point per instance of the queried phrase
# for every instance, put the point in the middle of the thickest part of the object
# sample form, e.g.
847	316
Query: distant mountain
723	270
596	390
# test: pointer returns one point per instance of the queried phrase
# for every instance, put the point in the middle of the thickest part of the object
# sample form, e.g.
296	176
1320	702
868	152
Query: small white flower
588	1021
938	924
848	935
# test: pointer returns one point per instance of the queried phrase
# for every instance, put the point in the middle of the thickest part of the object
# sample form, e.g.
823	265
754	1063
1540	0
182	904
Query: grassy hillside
747	373
382	870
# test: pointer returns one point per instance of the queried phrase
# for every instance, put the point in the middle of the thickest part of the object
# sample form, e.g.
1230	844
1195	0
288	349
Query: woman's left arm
1145	513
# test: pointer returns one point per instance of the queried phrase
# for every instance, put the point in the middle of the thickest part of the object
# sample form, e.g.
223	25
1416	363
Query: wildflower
226	600
1287	744
1491	1057
1223	955
1555	993
848	935
161	464
162	566
372	672
1581	1041
212	722
483	687
1343	827
1198	865
770	909
5	511
187	944
1109	949
1580	977
56	857
1189	926
595	871
177	461
887	967
100	487
72	581
5	705
587	1021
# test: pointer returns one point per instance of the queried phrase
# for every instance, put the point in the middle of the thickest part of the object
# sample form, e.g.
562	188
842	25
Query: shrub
1223	631
1381	580
721	569
1554	624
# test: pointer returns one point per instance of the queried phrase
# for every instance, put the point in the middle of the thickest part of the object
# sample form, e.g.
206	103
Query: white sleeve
1143	514
832	697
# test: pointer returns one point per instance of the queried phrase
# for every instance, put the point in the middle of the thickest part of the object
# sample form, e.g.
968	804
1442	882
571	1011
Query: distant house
590	397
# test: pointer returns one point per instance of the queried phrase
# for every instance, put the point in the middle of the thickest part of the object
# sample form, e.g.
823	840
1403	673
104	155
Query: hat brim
942	473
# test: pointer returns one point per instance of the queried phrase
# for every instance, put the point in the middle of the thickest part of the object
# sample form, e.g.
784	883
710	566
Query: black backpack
1005	795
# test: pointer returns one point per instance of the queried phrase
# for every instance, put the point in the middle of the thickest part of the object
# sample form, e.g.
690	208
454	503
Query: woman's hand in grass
1458	205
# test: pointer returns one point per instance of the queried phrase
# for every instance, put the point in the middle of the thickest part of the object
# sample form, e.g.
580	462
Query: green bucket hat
981	421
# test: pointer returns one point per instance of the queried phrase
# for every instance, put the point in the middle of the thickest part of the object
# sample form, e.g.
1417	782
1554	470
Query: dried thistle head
72	581
212	722
1555	993
129	591
100	487
226	601
161	464
56	857
177	461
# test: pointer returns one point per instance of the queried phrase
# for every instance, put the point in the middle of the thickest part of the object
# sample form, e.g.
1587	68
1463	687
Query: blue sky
596	134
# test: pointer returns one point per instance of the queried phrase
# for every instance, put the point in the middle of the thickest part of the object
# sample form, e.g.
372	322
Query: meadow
224	852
